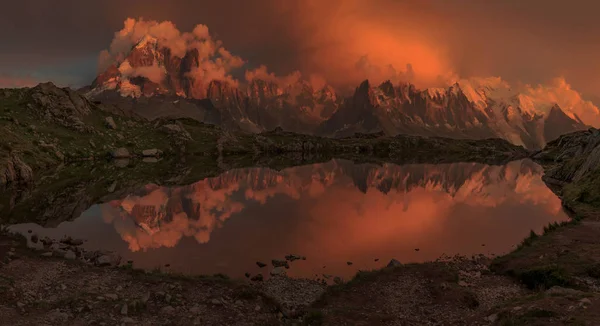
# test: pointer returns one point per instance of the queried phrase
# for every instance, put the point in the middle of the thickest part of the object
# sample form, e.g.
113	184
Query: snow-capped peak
147	40
435	92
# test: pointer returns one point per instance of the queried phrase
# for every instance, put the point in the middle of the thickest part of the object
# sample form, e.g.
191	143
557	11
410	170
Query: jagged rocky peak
258	88
388	88
364	93
472	108
146	53
222	93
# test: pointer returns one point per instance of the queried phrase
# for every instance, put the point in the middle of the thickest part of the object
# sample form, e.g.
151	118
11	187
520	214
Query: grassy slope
42	142
567	254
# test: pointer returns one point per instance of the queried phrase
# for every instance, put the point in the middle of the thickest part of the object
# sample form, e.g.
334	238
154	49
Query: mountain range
153	82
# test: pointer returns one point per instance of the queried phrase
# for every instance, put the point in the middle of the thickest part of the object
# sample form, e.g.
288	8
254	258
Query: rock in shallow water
108	260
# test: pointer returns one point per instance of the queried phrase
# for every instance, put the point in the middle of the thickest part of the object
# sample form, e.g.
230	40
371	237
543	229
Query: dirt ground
40	290
551	279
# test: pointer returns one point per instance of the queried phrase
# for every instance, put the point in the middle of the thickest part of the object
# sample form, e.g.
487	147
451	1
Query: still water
332	213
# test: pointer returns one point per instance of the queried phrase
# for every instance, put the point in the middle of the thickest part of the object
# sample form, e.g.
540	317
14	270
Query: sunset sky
530	41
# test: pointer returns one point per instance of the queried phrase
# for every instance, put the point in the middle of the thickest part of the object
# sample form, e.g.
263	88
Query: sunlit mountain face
331	213
158	71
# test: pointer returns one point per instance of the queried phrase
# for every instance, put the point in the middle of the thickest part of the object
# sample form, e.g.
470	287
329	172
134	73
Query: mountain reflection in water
331	213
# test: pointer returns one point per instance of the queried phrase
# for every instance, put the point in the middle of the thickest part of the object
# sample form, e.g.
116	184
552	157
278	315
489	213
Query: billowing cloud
215	62
282	81
154	73
560	92
543	39
358	42
537	99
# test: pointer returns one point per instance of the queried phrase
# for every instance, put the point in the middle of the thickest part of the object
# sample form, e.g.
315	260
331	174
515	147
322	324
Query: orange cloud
262	73
347	32
214	62
560	92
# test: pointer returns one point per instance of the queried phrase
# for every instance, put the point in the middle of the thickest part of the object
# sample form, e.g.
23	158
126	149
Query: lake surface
332	213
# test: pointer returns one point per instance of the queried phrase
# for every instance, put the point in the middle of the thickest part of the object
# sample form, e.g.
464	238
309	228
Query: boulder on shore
120	153
151	152
110	123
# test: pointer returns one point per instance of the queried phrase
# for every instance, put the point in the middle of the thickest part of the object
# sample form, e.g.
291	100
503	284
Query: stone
121	162
145	298
463	283
128	320
195	309
111	296
563	291
492	318
167	310
257	308
394	263
46	254
216	302
71	242
585	301
112	187
278	271
121	152
70	255
176	129
257	278
293	257
76	242
280	263
150	160
124	309
108	260
110	123
168	298
151	152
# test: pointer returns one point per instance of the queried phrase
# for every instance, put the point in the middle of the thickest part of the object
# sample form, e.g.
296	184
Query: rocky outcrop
14	171
572	156
120	153
61	105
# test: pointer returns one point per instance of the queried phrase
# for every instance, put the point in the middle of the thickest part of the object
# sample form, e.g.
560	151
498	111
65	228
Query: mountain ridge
476	109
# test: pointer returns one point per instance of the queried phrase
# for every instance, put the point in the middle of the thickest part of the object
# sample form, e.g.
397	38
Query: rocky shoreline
46	126
543	282
551	279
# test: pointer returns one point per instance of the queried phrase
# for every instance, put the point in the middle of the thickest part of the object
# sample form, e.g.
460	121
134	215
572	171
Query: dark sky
529	41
